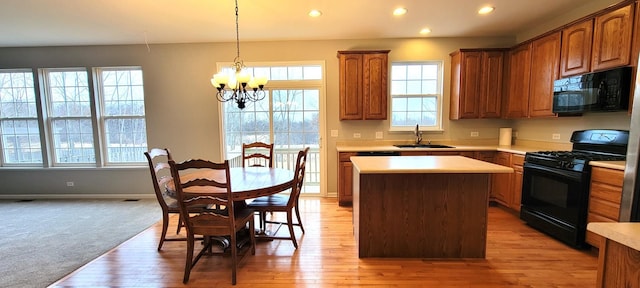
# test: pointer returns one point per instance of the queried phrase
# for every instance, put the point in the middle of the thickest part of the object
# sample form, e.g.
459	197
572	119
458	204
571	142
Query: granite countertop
424	164
512	149
627	233
516	149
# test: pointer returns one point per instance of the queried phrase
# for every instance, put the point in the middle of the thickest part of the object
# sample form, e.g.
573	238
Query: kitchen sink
422	146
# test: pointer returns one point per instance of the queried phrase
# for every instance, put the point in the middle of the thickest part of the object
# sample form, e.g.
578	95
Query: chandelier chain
237	34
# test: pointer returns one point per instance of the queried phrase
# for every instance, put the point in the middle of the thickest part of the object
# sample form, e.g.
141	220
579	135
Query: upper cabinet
612	39
545	61
533	67
363	84
517	98
575	57
476	83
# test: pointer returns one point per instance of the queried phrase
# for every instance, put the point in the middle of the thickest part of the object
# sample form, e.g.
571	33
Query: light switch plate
334	133
356	135
475	134
379	135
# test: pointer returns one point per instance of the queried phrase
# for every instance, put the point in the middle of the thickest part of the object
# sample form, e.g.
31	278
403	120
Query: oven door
555	201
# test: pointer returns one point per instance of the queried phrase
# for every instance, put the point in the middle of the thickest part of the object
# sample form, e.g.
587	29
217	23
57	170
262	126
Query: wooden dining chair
158	159
283	203
230	223
257	154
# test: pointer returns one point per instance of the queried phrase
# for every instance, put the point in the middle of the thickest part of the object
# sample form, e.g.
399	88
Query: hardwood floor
517	256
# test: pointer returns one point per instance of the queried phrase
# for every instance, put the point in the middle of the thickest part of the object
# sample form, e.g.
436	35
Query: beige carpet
44	240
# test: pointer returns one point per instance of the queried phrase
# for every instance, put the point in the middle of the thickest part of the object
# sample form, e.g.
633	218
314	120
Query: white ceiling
97	22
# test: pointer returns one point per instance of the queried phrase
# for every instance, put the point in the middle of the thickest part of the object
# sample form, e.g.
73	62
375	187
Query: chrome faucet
418	134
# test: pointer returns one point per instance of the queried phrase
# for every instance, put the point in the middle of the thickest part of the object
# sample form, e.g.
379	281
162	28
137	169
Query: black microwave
592	92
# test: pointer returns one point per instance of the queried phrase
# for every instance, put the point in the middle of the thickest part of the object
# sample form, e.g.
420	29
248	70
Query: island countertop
424	164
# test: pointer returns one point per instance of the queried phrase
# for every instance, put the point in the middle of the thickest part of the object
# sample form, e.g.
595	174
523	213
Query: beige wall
182	112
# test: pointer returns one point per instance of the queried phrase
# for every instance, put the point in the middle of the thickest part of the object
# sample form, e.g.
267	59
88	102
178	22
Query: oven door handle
573	175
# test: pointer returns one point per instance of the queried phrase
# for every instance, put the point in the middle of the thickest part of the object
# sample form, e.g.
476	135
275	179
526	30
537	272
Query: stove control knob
570	165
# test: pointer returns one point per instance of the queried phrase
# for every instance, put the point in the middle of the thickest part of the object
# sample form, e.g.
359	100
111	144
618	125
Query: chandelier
240	87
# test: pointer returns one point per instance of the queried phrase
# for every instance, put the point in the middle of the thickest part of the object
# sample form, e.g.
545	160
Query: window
288	117
87	123
416	95
69	115
19	129
122	98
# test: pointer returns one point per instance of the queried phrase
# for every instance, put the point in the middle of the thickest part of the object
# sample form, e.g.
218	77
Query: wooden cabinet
575	55
363	84
612	39
517	161
506	189
517	98
345	178
532	69
486	156
501	183
476	83
545	58
604	199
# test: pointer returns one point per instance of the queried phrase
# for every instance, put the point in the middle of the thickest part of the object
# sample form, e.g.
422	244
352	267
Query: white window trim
101	125
439	100
3	162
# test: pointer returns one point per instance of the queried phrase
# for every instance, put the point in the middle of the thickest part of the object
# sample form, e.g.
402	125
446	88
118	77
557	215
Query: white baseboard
76	196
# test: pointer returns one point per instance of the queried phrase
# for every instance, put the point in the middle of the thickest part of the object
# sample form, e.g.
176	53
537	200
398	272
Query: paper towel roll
505	137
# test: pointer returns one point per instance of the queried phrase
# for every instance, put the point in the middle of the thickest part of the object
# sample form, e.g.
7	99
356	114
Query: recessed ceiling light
425	31
400	11
486	10
315	13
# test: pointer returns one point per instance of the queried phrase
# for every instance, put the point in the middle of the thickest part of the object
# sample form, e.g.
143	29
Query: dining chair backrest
158	159
298	176
257	154
215	176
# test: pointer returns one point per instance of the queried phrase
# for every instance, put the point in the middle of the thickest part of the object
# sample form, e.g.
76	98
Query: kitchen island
421	206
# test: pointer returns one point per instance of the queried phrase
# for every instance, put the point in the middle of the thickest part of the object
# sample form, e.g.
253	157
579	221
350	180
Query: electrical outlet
379	135
555	136
70	184
475	134
334	133
356	135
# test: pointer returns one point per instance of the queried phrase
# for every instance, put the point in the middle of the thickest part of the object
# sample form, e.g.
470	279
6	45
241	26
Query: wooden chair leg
180	223
290	225
234	259
165	225
189	262
299	220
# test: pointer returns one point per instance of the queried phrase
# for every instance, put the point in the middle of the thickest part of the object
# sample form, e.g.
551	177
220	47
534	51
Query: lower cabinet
507	188
345	179
517	161
501	190
604	199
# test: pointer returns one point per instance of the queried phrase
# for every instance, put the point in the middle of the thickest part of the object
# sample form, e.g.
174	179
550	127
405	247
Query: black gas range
555	189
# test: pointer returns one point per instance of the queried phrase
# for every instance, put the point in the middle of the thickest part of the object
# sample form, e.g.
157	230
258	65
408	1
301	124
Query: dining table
246	182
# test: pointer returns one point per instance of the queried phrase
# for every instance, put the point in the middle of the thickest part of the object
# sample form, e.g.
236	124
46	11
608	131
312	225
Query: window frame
36	118
438	127
49	119
102	117
93	103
